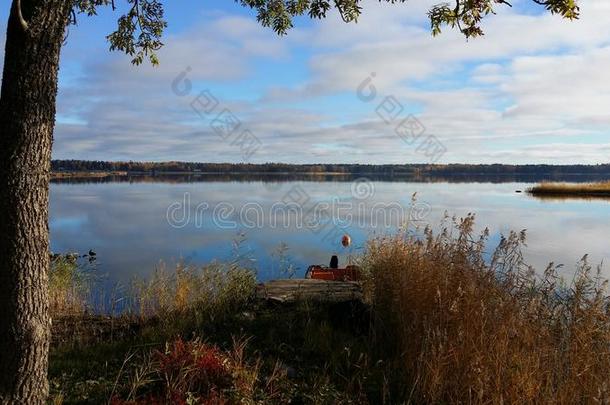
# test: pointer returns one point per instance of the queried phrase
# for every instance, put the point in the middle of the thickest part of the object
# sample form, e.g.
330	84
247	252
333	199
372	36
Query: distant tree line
395	169
503	169
189	167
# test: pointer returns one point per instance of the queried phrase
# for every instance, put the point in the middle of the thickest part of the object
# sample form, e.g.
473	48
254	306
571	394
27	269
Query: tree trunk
27	118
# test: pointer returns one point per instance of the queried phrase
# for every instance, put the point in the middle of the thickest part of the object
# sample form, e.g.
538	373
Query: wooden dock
287	291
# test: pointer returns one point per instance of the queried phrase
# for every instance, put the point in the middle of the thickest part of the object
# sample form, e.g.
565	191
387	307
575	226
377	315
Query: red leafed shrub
186	372
174	398
192	368
148	400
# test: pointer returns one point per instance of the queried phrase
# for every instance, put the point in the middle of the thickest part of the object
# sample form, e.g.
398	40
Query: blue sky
535	89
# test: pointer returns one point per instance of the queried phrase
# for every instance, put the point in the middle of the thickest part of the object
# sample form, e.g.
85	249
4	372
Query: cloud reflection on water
125	223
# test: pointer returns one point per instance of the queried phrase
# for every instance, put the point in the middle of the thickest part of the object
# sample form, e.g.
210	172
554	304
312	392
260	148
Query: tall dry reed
69	286
462	325
214	289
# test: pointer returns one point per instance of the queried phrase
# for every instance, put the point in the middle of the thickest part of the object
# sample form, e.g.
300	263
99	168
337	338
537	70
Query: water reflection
273	178
125	221
568	197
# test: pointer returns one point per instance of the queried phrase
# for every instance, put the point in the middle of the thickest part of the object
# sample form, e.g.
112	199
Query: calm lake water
133	225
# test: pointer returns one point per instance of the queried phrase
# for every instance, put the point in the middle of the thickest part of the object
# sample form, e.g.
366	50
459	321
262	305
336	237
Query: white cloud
524	92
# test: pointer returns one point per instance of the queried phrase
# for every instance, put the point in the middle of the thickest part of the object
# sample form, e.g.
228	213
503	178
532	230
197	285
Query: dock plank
287	291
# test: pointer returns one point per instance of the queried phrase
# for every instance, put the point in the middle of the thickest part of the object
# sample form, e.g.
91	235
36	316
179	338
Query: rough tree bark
27	117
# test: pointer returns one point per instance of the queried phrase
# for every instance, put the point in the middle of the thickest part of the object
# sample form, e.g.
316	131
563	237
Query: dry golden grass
463	326
601	189
214	289
69	287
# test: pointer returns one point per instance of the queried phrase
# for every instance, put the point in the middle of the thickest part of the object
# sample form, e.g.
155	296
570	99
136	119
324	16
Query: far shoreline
61	175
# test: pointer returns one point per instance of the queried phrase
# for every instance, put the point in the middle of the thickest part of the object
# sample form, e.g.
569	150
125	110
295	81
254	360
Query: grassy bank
584	190
444	321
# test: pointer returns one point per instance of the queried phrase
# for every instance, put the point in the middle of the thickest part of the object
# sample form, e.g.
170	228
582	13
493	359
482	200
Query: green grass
320	354
86	374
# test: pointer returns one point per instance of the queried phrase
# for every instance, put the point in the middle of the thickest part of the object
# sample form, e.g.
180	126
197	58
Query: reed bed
598	189
69	286
214	289
460	325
